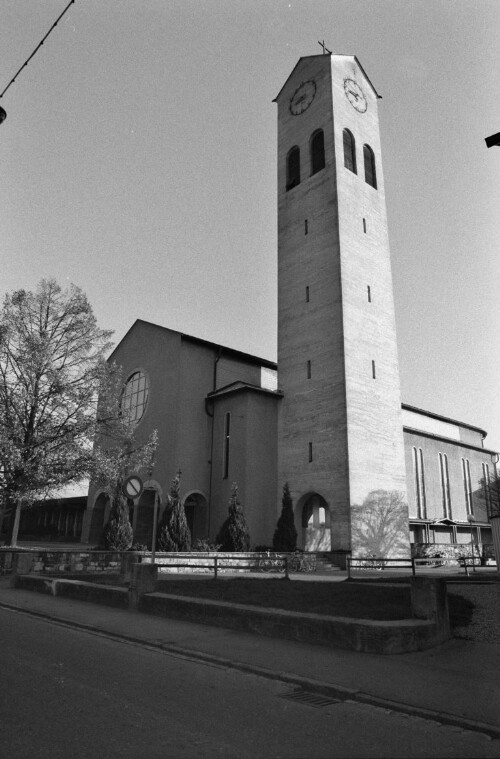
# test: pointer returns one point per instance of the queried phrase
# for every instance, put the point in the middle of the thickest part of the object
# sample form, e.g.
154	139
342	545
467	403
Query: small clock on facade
302	97
355	95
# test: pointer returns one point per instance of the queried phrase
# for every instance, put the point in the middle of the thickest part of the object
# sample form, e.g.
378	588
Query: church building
328	418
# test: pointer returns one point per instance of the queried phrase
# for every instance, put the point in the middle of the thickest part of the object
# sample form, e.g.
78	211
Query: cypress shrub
174	534
118	534
285	535
234	534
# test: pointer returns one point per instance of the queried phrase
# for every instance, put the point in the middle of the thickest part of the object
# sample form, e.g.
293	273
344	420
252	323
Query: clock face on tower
302	97
355	95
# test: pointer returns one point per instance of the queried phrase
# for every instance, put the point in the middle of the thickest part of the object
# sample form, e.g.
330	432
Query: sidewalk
457	683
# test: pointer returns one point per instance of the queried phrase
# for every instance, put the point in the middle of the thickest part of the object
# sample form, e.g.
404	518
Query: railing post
348	562
287	574
413	567
215	567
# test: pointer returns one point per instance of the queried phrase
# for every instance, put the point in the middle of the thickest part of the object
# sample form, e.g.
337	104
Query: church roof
240	386
240	355
322	55
441	418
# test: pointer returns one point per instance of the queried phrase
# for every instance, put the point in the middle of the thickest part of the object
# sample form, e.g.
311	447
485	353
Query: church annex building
328	417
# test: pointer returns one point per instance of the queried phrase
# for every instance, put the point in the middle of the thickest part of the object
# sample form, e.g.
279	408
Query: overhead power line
36	49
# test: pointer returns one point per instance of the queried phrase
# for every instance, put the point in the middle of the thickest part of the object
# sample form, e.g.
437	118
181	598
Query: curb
312	686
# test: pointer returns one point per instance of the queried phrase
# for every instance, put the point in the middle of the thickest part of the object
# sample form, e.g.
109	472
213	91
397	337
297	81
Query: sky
138	161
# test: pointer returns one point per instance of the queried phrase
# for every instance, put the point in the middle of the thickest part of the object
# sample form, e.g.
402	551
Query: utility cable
37	48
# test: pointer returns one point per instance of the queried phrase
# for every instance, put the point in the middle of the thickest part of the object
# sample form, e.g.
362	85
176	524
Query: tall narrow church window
307	293
227	434
293	168
467	485
369	293
308	370
349	151
445	485
317	148
418	472
364	226
486	488
310	452
370	170
374	375
306	227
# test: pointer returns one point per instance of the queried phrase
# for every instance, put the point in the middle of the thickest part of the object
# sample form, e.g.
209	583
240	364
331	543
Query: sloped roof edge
322	55
248	357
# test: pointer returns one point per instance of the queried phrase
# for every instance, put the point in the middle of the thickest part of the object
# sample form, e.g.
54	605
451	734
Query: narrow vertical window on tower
370	170
349	151
308	370
310	452
317	150
225	456
293	168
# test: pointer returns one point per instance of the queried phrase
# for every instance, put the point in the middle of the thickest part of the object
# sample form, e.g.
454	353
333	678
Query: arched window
317	148
135	397
293	168
370	171
349	151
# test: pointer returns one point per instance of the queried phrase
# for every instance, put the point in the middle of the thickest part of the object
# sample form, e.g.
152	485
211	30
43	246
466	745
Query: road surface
68	693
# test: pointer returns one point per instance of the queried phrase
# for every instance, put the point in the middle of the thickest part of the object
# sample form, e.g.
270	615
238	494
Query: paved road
70	693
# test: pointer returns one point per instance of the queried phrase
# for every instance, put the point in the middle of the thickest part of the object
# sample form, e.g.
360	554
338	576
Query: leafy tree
174	534
285	536
116	454
112	461
52	363
234	534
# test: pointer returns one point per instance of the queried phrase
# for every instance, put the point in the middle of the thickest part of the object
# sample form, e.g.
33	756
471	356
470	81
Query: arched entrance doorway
315	520
142	518
195	507
97	520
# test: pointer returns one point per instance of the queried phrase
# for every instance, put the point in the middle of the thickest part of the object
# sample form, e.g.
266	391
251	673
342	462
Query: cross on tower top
325	49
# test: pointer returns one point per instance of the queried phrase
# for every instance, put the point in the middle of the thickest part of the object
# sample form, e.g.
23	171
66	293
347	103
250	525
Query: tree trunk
15	528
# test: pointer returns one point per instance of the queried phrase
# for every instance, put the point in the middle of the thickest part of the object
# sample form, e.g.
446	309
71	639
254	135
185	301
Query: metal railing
378	563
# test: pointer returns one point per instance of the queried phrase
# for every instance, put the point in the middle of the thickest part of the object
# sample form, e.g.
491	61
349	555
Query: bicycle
302	563
271	564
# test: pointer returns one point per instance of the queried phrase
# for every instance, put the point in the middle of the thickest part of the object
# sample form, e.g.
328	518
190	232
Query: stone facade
340	430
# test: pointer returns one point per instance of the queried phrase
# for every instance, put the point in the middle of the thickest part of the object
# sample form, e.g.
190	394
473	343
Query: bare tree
380	525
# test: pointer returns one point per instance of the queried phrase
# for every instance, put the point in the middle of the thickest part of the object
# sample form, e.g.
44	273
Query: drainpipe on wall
212	415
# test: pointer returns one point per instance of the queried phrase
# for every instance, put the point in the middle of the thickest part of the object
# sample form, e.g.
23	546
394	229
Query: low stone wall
81	591
43	561
365	636
429	606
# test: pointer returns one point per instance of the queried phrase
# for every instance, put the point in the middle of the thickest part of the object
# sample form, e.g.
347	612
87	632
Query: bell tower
340	437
